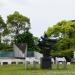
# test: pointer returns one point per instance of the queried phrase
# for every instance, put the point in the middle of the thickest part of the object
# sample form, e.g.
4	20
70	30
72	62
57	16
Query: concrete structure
52	60
34	59
19	50
11	61
59	61
73	59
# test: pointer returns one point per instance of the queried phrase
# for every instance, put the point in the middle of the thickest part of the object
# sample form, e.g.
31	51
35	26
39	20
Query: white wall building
19	50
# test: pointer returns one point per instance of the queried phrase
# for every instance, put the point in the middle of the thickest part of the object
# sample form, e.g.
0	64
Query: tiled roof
22	46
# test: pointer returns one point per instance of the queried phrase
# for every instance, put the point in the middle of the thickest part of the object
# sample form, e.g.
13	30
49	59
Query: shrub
68	53
4	46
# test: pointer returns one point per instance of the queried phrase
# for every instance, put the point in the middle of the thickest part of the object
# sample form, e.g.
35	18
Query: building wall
38	55
17	52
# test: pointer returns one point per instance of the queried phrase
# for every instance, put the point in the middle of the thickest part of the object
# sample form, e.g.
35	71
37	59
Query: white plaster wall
38	55
18	52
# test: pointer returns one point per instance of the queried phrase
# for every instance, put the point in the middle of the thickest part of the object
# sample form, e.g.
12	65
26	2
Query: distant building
19	50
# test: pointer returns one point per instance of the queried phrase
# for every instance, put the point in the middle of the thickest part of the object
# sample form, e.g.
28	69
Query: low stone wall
11	61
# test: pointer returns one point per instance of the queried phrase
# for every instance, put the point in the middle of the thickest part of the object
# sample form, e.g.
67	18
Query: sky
42	13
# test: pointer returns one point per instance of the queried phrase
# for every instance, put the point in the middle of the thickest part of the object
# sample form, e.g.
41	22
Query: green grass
20	70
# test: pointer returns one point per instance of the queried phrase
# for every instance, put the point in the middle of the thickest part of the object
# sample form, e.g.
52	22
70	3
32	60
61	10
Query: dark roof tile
22	46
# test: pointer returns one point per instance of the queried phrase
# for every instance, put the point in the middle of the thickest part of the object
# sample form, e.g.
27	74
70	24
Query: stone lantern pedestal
46	44
46	63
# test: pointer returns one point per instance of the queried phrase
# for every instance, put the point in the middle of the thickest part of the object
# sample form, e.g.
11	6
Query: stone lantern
46	44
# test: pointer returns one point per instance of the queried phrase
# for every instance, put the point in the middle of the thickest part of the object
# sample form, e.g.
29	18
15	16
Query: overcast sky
42	13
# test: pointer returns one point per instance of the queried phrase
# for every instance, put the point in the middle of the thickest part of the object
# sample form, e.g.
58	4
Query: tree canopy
15	25
2	26
66	28
2	23
17	22
66	31
26	37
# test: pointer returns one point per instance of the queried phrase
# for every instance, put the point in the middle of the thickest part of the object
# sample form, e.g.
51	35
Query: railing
6	54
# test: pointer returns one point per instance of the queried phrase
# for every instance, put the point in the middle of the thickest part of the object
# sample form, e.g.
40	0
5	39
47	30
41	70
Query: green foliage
66	44
6	31
49	31
36	39
2	26
67	28
5	47
68	53
26	37
17	16
17	22
2	23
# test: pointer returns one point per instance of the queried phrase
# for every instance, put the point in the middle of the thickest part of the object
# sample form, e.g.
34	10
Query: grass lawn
19	70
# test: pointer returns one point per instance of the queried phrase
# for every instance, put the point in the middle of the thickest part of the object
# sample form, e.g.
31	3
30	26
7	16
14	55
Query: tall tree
26	37
66	30
17	22
2	26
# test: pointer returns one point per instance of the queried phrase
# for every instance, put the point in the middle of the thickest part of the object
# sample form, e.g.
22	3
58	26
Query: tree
36	42
6	31
66	28
36	39
2	26
17	22
66	31
49	31
25	37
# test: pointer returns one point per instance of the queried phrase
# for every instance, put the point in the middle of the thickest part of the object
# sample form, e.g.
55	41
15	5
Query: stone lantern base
46	63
